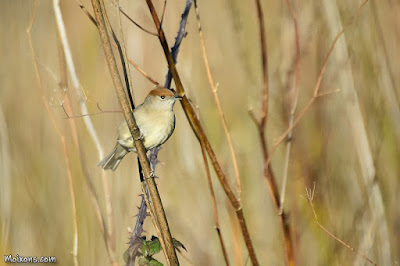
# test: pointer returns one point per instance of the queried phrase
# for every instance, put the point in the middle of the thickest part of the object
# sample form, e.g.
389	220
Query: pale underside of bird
156	121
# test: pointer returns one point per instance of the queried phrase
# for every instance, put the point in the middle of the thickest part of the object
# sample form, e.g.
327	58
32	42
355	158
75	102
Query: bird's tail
112	160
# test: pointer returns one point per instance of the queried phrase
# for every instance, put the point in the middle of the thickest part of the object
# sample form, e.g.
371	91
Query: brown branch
202	137
162	16
136	24
168	247
264	61
317	85
143	73
310	193
274	193
261	124
214	203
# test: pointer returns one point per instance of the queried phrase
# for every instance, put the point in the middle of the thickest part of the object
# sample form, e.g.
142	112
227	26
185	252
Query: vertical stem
217	227
127	111
268	173
202	137
60	135
67	63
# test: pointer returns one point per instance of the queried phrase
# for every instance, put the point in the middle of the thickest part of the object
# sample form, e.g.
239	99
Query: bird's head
162	98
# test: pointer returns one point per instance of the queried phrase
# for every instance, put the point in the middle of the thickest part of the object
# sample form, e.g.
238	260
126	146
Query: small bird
156	120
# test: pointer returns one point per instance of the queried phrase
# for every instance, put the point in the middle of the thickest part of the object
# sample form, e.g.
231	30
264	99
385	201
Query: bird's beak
178	97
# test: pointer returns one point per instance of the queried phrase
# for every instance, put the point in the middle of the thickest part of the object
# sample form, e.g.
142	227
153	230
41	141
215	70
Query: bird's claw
151	175
140	136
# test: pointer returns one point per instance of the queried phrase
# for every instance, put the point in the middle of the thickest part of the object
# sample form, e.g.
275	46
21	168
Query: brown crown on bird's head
162	92
162	97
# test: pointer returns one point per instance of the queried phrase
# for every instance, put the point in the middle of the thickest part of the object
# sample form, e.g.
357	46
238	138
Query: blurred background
347	143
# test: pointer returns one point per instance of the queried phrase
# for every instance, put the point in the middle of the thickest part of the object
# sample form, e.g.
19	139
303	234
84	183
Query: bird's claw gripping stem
151	175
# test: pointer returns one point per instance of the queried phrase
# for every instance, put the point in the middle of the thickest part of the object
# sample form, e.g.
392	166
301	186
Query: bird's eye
162	97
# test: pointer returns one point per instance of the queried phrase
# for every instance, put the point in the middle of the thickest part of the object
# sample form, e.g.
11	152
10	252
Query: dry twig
67	109
261	124
293	105
214	90
136	24
310	194
214	203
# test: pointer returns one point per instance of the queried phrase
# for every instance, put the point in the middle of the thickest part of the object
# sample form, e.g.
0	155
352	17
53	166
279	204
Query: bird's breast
156	126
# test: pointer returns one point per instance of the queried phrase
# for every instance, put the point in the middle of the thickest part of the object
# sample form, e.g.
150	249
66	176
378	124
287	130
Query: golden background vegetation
348	142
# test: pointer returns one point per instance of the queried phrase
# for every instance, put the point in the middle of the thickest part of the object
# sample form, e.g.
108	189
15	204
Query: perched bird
156	120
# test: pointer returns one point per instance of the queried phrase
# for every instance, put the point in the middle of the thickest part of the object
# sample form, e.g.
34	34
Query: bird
156	121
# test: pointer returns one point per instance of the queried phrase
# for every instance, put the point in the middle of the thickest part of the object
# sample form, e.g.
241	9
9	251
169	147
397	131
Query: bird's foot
140	137
151	175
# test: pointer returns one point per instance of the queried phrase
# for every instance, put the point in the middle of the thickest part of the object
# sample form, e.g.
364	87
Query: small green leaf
149	261
145	249
126	255
154	262
144	261
154	246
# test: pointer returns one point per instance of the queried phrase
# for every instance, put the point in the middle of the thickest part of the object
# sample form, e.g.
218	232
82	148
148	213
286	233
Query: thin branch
91	114
214	203
316	88
310	194
214	90
116	46
293	107
264	61
322	94
108	228
67	107
121	53
178	40
123	57
162	16
77	88
200	134
135	239
261	125
60	135
143	73
136	24
168	248
87	13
